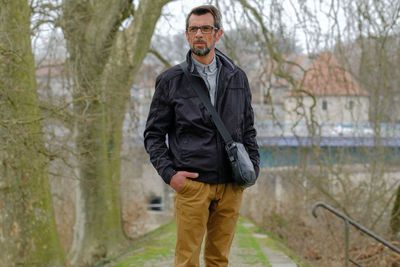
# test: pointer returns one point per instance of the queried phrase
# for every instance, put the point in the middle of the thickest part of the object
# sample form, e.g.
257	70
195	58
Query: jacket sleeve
249	135
158	123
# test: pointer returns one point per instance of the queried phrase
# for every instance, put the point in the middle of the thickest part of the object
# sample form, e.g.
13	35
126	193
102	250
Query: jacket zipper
217	136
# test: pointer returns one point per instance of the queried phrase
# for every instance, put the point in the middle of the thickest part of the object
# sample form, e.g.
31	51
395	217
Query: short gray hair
201	10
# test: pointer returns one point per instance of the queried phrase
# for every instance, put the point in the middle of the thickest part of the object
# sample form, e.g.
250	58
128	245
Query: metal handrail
347	222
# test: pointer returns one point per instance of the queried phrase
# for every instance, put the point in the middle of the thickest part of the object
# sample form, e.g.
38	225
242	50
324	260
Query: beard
201	52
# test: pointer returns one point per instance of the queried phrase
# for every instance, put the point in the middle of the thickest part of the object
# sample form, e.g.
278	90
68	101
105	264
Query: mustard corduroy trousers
201	209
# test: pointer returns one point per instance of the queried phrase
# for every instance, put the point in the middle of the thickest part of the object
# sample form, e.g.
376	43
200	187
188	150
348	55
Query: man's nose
198	33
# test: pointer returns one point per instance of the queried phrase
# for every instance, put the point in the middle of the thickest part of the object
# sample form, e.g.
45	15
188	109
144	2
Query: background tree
27	226
373	58
363	36
107	42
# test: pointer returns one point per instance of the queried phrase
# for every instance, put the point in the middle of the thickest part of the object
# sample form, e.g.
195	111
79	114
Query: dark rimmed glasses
206	29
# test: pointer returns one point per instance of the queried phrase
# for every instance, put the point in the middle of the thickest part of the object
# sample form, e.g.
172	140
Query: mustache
200	42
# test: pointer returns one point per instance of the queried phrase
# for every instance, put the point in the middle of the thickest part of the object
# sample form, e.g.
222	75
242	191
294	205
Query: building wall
337	109
141	100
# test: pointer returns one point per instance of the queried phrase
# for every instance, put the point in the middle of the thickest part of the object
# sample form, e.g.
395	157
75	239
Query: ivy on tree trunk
28	234
105	58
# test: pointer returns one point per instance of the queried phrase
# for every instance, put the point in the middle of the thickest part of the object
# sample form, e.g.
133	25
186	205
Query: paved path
275	257
251	247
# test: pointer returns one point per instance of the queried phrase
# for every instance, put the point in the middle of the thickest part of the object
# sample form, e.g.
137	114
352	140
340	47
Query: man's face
202	43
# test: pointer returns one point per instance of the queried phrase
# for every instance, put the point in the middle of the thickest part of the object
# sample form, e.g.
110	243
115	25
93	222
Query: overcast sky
174	14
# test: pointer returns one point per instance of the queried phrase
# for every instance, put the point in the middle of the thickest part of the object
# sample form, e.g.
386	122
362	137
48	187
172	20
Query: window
351	104
324	105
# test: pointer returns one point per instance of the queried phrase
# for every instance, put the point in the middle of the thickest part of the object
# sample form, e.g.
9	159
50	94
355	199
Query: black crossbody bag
242	167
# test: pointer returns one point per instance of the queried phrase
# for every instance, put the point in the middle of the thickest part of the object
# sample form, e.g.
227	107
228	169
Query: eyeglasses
206	29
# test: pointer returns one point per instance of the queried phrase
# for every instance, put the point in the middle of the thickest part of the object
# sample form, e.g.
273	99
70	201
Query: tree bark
395	217
105	60
28	234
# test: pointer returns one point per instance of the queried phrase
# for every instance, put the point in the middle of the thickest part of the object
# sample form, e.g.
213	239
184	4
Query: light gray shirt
209	74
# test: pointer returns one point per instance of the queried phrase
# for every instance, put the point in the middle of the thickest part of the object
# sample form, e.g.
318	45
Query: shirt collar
205	68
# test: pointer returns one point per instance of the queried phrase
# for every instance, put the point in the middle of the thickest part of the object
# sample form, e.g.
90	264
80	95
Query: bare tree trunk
28	234
395	218
105	60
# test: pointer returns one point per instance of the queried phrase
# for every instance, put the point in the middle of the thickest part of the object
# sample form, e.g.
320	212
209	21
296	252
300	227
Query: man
195	163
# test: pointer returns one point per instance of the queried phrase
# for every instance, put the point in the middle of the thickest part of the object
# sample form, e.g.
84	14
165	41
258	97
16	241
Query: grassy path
156	249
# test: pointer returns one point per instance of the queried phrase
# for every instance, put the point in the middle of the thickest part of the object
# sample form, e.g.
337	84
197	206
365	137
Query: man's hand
179	178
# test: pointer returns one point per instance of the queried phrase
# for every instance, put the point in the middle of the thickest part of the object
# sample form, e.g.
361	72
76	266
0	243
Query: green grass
252	252
156	246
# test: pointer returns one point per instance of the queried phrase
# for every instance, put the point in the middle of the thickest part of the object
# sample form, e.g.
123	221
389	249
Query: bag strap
207	103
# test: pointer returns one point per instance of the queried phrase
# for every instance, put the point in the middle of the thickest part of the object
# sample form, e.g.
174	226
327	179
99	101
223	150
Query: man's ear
218	35
187	36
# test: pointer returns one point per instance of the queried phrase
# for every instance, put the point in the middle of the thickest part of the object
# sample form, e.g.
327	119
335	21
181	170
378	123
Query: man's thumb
191	174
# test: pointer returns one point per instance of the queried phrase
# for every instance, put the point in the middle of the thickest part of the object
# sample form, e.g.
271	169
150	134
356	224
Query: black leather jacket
194	144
